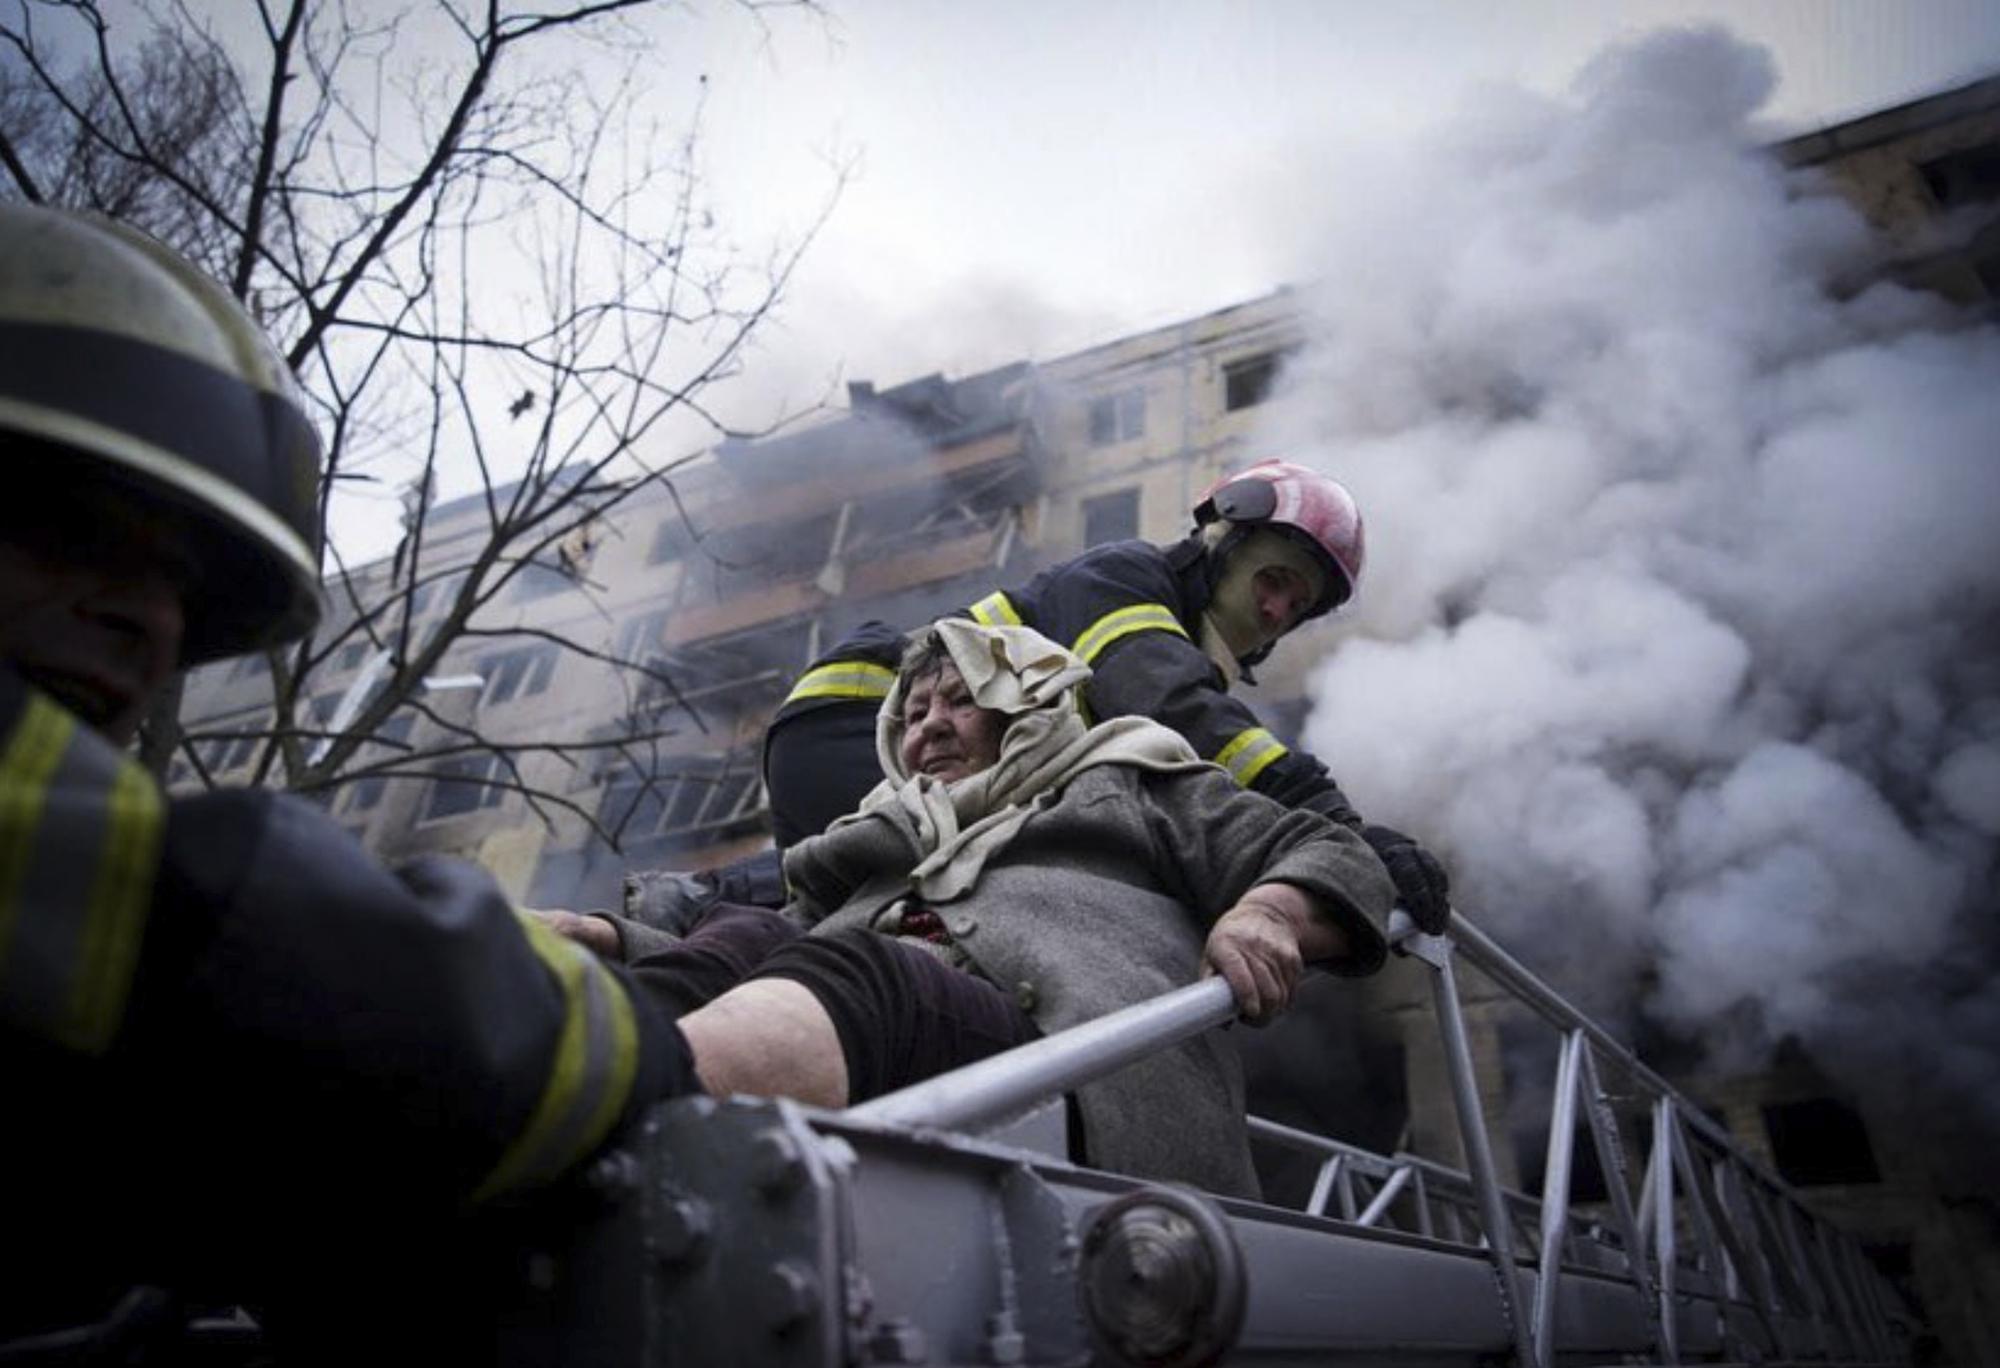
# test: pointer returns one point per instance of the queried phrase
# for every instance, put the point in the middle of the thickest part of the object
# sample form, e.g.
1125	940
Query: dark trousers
902	1014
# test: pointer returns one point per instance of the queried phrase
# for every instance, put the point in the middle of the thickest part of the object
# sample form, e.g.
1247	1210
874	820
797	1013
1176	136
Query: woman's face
945	734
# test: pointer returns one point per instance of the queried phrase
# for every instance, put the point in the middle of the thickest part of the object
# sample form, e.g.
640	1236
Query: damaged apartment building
920	499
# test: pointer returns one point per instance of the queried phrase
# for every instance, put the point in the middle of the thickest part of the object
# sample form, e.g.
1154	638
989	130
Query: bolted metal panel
744	1224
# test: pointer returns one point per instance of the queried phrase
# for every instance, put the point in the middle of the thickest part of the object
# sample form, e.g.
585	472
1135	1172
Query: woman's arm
1262	944
1282	888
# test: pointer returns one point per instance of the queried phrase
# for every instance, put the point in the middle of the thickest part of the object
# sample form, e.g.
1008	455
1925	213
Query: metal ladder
943	1225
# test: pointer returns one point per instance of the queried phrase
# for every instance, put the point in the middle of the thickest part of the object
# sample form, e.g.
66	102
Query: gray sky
1034	177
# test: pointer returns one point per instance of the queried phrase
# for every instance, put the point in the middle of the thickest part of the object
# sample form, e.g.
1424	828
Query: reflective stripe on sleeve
844	679
80	828
996	610
1121	622
590	1077
1248	753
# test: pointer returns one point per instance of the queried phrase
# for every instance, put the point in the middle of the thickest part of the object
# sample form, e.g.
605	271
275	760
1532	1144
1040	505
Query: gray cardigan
1105	898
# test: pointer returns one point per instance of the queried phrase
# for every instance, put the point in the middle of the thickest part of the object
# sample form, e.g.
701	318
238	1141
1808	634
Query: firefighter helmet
118	353
1313	508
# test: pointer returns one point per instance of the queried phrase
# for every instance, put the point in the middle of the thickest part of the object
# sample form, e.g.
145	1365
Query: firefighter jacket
227	995
1132	611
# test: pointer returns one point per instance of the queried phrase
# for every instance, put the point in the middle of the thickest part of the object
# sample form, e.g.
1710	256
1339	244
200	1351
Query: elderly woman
1019	872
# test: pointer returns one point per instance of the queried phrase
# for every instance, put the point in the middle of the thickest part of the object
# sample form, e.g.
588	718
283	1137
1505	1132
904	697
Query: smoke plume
1679	640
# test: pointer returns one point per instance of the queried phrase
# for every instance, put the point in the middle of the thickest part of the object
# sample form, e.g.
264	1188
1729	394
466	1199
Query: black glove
1422	886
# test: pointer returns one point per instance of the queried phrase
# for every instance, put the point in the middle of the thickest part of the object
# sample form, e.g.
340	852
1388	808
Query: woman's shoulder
1134	786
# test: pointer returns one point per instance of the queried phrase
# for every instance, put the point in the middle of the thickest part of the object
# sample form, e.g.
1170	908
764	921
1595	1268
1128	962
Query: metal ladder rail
1431	1190
993	1092
988	1092
1832	1265
995	1089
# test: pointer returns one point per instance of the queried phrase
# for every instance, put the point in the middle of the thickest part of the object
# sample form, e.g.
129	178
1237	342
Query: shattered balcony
887	531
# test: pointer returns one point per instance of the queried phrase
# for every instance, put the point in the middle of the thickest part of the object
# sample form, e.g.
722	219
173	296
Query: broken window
520	673
1249	381
747	665
1118	417
1967	176
685	802
971	504
1111	517
464	784
1819	1141
758	556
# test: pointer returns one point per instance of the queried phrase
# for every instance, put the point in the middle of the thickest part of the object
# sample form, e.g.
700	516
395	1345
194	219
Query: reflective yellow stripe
80	829
590	1077
996	610
844	679
118	904
1139	617
30	759
1248	753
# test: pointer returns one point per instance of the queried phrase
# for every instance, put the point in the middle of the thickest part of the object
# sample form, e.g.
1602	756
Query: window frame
1251	380
683	799
517	673
1123	502
471	773
1117	417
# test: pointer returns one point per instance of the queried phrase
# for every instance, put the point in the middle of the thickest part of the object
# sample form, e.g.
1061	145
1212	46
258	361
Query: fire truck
946	1225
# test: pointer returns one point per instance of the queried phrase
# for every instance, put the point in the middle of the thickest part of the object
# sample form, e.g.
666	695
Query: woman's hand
1259	946
592	933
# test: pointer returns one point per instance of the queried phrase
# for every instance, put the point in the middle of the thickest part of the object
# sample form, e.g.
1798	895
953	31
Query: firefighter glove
1422	886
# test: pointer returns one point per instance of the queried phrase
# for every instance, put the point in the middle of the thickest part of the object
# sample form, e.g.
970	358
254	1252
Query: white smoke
1681	635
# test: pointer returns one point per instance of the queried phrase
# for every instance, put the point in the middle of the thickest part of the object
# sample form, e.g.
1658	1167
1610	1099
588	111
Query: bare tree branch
424	225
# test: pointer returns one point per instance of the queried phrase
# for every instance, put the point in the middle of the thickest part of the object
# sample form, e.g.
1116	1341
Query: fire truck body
945	1225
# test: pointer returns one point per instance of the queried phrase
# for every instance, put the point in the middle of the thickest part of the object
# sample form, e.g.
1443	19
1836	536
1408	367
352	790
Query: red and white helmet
1314	508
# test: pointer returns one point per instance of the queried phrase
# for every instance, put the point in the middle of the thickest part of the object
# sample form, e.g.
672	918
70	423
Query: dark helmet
118	354
1310	507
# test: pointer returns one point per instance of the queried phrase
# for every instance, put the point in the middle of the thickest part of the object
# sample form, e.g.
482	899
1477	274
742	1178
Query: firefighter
1167	630
243	1060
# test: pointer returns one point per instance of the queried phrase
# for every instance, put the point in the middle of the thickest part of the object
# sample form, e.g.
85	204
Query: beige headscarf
1020	672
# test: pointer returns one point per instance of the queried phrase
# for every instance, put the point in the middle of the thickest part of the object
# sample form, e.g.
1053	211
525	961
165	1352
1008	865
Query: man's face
1283	596
90	605
945	734
1267	587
